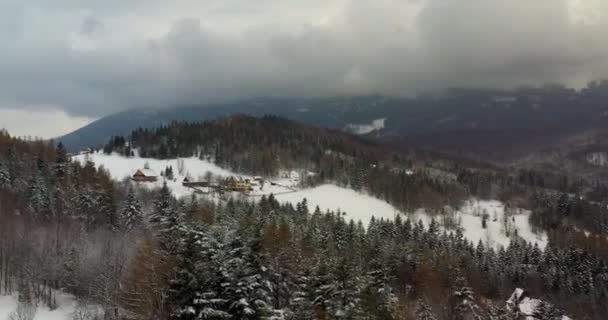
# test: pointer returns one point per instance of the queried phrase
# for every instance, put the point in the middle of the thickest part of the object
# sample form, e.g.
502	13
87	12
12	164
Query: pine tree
61	160
163	207
131	214
39	198
423	312
378	297
466	308
107	207
547	311
5	178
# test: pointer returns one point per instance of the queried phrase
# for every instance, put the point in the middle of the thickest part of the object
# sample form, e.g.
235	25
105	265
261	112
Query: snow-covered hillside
500	227
121	167
366	128
356	206
501	224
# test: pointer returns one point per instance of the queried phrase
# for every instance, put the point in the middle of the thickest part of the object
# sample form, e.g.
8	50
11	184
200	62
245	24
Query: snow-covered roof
147	172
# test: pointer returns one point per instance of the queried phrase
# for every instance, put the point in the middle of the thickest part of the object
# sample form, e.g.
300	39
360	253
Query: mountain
532	127
327	112
104	240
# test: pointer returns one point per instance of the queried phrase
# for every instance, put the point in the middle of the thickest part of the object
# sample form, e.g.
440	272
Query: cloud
97	57
43	123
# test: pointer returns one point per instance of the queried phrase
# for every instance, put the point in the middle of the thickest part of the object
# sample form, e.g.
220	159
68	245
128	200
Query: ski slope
500	228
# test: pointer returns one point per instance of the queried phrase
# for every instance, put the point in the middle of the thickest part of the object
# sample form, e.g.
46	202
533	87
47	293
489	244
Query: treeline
63	226
247	144
268	260
145	255
265	145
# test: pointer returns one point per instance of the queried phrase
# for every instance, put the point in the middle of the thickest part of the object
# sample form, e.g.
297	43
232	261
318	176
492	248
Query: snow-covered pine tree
188	295
38	198
423	312
131	214
378	297
86	205
466	307
163	206
246	290
340	295
107	208
5	178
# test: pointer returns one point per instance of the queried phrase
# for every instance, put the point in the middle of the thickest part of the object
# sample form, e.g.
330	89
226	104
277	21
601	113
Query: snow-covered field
356	206
65	310
499	231
366	128
121	167
500	227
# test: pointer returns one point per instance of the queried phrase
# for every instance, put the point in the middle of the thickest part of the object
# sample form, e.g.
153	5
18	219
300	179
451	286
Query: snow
598	158
526	306
66	306
498	232
121	167
355	205
366	128
148	172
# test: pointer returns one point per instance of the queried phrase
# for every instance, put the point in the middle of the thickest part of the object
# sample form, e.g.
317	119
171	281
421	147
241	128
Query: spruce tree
423	312
5	178
131	214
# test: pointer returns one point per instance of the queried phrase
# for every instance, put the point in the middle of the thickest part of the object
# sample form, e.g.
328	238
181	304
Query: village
287	181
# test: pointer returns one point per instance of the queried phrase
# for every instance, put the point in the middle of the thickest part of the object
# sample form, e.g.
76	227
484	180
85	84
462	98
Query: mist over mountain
525	125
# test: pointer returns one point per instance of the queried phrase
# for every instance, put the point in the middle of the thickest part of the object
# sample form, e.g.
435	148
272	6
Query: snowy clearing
354	205
366	128
121	167
65	310
499	231
500	227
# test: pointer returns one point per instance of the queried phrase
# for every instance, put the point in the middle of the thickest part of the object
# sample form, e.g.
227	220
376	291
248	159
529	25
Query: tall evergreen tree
131	215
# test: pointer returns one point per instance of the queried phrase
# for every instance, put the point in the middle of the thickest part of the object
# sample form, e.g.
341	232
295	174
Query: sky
64	63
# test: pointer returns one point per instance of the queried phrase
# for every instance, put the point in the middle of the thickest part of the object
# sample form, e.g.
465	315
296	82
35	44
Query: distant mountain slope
326	112
506	127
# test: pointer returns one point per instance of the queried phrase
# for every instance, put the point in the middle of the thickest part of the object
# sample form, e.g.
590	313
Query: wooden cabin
145	175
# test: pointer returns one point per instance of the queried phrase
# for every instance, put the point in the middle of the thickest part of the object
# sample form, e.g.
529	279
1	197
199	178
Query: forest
142	254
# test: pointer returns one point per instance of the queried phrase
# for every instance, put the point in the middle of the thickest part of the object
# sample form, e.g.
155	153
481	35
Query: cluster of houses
232	183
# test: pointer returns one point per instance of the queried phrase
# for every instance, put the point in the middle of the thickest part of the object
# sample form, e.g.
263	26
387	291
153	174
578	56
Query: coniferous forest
143	254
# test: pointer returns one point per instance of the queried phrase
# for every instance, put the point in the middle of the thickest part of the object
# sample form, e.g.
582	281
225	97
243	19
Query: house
188	183
289	174
237	184
145	175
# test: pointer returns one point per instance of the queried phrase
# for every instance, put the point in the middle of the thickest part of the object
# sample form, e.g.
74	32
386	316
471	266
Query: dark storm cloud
105	56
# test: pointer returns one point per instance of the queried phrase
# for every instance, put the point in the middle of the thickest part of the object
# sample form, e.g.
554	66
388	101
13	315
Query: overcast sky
75	61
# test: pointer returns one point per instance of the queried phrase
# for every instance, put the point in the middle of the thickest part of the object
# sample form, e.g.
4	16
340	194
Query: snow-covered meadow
354	205
502	224
121	167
